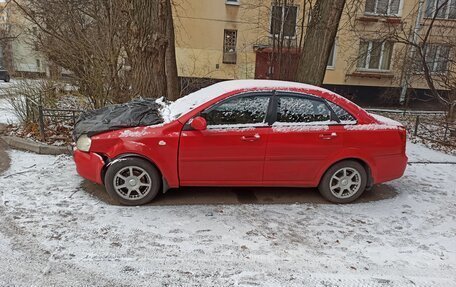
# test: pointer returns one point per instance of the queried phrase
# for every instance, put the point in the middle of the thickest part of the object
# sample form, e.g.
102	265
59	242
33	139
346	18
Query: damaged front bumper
89	165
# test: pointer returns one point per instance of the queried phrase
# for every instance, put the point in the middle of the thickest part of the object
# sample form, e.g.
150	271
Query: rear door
302	139
232	149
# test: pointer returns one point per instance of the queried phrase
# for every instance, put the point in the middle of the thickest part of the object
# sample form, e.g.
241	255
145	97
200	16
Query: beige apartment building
245	39
236	39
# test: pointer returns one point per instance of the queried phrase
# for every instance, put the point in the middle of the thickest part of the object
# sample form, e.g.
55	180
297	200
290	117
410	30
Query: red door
231	150
301	141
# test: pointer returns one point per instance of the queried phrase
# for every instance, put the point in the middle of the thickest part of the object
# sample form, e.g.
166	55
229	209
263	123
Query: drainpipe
416	30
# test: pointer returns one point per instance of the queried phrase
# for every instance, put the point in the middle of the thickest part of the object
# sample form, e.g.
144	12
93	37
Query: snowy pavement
52	232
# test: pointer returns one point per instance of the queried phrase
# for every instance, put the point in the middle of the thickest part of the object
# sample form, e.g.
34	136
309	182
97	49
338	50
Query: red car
249	133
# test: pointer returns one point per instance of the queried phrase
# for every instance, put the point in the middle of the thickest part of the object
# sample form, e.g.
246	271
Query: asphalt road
244	195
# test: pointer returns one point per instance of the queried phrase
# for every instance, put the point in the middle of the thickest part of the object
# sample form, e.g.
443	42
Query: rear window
342	114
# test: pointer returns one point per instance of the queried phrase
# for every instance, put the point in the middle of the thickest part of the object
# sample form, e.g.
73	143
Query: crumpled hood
140	112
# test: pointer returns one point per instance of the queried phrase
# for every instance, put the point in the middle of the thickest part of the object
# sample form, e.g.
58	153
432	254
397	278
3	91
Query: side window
239	110
342	114
301	110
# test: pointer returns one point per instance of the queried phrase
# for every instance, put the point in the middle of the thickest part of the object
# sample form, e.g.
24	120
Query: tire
343	182
132	181
6	80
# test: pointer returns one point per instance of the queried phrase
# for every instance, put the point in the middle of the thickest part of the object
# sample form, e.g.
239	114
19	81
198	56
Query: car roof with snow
193	100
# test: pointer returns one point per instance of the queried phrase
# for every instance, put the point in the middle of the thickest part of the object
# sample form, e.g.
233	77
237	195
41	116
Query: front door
301	141
231	150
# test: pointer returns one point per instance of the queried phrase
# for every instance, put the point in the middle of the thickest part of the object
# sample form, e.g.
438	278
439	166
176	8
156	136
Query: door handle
328	136
251	138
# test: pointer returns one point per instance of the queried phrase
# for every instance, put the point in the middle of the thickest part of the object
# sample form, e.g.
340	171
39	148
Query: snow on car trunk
386	121
52	232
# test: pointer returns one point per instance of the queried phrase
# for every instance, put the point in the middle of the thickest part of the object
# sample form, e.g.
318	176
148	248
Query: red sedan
248	133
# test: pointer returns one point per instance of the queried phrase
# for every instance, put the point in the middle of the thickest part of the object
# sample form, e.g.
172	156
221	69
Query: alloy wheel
132	183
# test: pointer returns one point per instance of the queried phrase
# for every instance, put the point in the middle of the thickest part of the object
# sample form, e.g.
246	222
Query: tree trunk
150	42
318	42
452	112
171	65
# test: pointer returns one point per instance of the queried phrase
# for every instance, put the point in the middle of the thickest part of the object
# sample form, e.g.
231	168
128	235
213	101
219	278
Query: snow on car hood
185	104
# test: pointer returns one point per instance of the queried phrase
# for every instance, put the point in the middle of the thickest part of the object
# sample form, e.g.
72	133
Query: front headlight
83	143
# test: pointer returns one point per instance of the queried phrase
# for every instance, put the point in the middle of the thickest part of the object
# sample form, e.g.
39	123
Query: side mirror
198	123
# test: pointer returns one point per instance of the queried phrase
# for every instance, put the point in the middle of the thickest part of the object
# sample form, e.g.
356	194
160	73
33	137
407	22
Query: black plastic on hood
142	112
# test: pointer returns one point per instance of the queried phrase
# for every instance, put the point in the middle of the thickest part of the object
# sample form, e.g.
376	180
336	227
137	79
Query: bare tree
84	38
171	64
430	53
114	49
148	44
319	40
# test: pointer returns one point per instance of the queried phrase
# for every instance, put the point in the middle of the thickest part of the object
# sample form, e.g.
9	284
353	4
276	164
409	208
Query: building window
332	57
229	47
437	58
232	2
382	7
38	64
283	20
445	9
375	55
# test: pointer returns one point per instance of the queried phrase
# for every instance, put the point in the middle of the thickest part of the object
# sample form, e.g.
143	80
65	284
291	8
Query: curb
39	148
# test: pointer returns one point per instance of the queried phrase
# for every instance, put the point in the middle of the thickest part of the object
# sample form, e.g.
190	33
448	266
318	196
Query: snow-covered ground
52	232
6	112
7	115
5	86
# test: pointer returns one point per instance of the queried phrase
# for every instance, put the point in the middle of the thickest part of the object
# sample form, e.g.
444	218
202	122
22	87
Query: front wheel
344	182
132	181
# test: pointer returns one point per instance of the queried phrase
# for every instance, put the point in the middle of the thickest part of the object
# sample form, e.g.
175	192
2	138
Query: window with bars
437	58
283	20
229	47
332	57
375	55
441	9
382	7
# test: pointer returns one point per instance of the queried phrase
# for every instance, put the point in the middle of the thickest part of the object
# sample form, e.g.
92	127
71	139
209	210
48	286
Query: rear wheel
132	181
344	182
